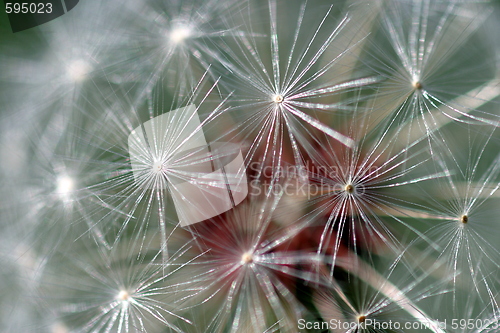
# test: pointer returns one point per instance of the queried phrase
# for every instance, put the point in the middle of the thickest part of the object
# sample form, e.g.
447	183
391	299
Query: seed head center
179	34
361	319
349	188
123	296
78	70
157	166
278	98
464	219
65	185
417	85
247	258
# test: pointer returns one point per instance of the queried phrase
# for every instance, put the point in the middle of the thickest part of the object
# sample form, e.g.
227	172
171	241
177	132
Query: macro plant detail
252	166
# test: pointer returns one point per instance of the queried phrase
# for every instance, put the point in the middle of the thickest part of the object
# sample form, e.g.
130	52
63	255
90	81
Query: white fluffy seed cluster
249	166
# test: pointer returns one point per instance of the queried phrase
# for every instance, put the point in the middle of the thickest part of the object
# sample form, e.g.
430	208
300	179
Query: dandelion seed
65	185
278	97
118	290
421	90
172	37
389	297
417	85
244	273
168	158
464	223
78	69
179	34
246	258
355	191
163	163
349	188
123	296
51	191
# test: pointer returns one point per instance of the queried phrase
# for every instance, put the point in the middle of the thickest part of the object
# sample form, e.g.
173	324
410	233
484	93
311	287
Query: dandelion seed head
361	319
123	296
77	70
349	188
417	85
179	34
247	258
157	166
65	185
278	98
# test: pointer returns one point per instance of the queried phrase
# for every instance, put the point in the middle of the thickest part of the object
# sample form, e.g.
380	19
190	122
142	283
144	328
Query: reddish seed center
123	295
247	258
